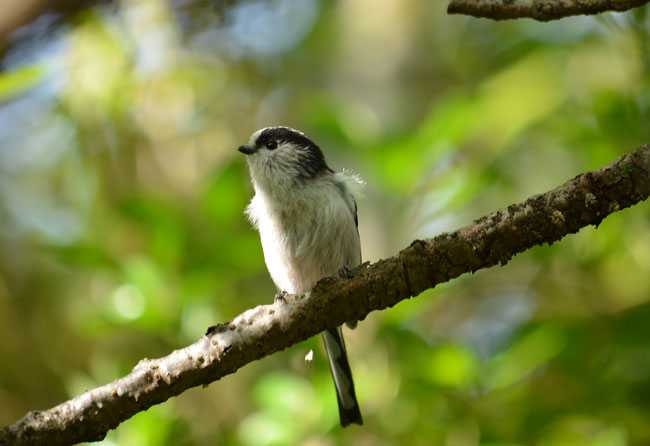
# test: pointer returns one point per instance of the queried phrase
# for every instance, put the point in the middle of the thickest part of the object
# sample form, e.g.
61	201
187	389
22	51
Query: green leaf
18	81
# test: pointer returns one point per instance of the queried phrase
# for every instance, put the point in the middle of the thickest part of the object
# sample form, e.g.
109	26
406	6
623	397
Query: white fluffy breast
307	232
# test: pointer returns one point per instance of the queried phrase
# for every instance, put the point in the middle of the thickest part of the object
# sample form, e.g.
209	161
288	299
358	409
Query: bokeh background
122	234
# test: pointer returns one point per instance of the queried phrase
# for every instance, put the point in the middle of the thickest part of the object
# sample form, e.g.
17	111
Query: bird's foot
345	272
281	297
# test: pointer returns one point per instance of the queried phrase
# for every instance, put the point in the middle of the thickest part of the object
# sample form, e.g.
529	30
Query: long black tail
342	375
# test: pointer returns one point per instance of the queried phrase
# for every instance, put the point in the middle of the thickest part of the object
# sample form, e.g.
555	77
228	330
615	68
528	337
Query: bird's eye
271	145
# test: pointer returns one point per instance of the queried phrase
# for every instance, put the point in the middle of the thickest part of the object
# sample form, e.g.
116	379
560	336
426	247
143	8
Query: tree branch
542	10
490	240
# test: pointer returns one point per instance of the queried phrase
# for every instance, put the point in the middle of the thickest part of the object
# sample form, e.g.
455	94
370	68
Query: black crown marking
312	161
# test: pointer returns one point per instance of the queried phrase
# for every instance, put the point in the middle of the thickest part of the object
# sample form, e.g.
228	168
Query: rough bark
542	10
490	240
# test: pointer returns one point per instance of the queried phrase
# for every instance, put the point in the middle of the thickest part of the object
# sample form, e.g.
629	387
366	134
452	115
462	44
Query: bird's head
283	156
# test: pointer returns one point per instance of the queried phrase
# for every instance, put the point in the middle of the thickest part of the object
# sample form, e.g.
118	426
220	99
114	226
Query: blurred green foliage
122	233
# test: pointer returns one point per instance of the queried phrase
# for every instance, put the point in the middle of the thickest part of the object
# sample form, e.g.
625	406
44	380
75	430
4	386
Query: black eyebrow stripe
312	161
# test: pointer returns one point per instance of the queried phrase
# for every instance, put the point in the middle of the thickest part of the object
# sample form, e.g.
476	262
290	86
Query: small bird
307	219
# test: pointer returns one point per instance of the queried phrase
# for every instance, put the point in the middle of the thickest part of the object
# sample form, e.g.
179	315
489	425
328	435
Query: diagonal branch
542	10
494	239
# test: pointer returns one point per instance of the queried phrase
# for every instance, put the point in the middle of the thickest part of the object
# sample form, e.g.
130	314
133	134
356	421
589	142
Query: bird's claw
280	297
345	272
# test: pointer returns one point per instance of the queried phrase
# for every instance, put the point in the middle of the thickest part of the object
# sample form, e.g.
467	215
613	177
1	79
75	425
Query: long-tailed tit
307	219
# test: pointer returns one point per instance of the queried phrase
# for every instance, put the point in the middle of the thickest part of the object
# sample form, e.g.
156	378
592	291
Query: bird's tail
342	375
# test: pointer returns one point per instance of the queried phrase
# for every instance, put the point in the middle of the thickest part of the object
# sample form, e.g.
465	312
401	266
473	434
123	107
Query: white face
273	158
280	156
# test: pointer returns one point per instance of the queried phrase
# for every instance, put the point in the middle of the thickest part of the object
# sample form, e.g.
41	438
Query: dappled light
123	234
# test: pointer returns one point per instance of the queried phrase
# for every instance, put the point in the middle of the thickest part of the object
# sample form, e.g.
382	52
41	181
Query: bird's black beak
247	150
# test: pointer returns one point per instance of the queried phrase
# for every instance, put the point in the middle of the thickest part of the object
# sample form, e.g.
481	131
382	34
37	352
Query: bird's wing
356	224
344	183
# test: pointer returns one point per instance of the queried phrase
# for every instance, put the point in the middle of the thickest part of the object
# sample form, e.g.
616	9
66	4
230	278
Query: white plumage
306	215
304	236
